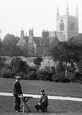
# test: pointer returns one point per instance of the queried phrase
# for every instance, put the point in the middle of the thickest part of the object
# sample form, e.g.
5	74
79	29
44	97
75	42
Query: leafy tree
60	67
79	65
10	47
37	61
2	62
10	39
22	66
18	65
67	52
76	40
14	64
12	50
1	48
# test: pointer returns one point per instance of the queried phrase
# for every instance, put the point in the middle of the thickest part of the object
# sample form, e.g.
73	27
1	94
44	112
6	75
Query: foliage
22	66
32	68
60	67
12	50
44	75
37	61
1	48
71	76
71	68
9	44
21	74
66	51
10	47
5	73
77	77
31	75
58	77
2	62
76	40
53	70
79	65
10	39
17	65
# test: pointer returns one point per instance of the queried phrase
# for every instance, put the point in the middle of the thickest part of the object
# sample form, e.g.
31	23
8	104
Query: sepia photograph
40	57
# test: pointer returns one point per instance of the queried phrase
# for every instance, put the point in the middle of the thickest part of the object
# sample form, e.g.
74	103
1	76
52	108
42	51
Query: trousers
16	103
42	107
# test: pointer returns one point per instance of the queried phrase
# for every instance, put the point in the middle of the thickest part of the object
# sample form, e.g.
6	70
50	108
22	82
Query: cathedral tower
31	35
22	34
67	25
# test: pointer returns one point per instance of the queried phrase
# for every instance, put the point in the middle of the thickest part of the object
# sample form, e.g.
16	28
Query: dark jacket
44	100
17	90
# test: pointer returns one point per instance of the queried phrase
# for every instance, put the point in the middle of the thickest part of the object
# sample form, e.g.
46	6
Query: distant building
38	46
52	33
45	34
22	42
67	25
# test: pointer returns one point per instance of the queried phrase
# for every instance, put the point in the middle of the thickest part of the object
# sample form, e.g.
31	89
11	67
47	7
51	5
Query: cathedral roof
54	42
40	40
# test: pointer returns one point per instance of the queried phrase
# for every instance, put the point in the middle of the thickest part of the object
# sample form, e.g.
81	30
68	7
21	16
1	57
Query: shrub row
35	74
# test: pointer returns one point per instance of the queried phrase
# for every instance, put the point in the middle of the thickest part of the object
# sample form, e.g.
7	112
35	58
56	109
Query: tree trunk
66	71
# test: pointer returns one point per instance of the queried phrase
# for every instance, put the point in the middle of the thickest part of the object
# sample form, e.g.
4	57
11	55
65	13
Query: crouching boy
43	104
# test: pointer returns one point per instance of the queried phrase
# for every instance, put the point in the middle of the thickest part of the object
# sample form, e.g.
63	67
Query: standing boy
17	90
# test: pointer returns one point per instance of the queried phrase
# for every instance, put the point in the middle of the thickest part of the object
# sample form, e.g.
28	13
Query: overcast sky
16	15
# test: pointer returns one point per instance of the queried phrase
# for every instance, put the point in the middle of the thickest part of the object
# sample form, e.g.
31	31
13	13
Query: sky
16	15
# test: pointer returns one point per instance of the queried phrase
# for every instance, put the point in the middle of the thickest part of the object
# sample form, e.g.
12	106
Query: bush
21	74
31	75
18	65
37	61
71	69
71	76
5	73
60	67
33	68
2	62
77	77
44	75
60	77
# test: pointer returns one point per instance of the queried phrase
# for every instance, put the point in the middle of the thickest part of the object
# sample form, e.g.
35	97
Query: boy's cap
17	77
42	90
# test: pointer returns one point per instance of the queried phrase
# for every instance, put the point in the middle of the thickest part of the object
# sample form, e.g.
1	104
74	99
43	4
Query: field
51	88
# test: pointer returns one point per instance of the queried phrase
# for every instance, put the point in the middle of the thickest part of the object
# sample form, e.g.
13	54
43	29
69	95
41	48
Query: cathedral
67	25
66	28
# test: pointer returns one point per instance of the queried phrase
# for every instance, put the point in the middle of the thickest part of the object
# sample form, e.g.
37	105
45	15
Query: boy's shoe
16	111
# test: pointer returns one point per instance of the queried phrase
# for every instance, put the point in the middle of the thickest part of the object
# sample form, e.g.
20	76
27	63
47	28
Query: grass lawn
52	88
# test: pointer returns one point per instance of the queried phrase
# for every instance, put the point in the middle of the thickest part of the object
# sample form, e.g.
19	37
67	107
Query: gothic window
42	43
61	26
72	26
